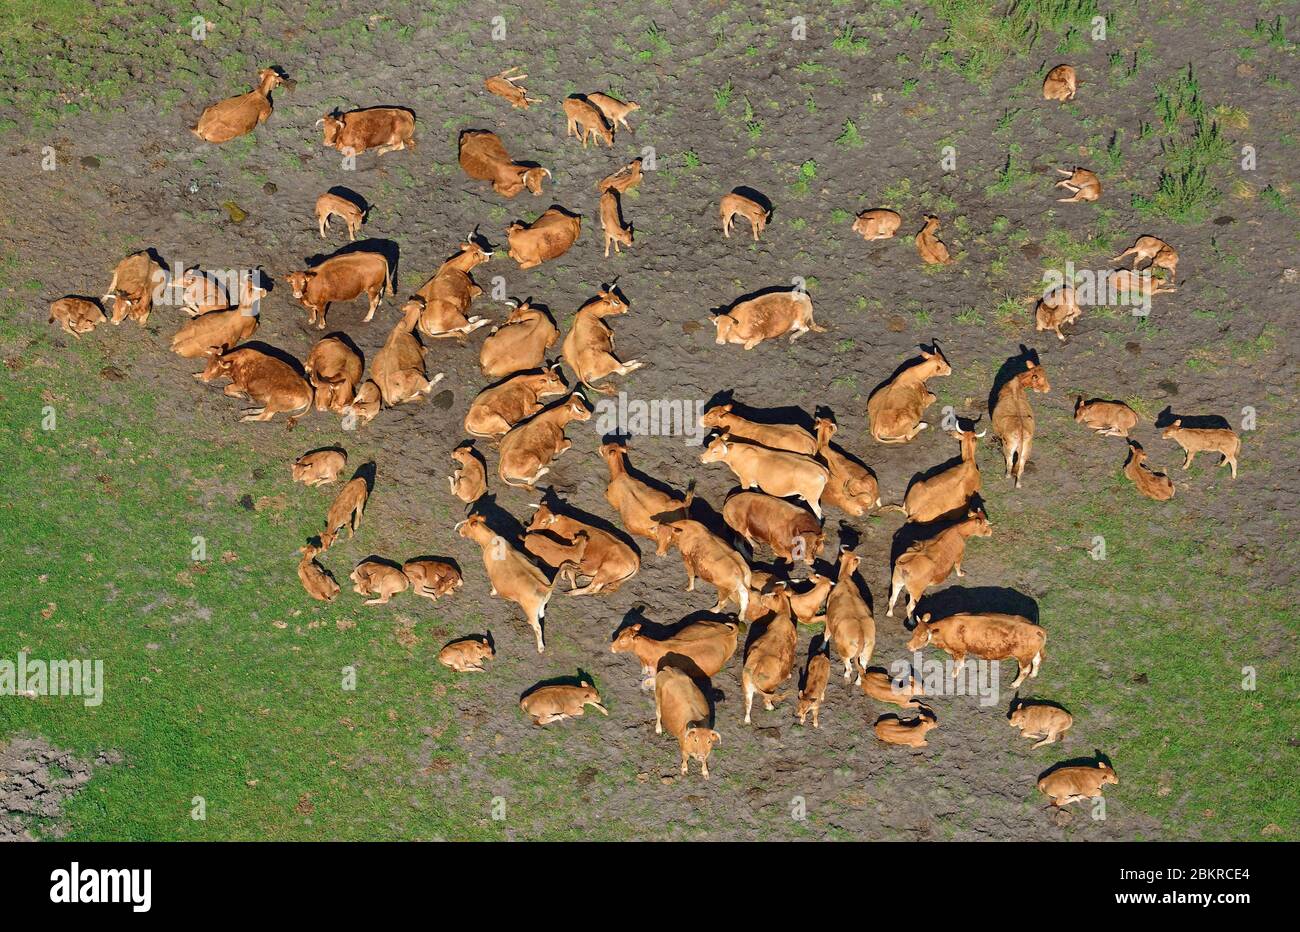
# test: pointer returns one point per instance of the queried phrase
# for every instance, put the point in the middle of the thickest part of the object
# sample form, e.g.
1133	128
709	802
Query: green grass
1190	157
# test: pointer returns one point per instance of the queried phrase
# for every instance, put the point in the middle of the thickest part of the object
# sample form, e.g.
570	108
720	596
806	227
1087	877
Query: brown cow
1013	418
316	580
986	636
469	482
948	490
518	344
345	511
467	654
850	627
319	467
767	317
706	645
623	180
216	332
398	369
332	205
1081	183
1060	84
735	203
606	560
528	449
815	677
1067	785
585	121
1041	720
776	472
1107	418
341	278
707	556
902	692
431	579
514	577
384	129
617	233
877	224
494	411
910	733
235	116
770	658
791	532
548	704
806	606
484	158
642	507
272	384
505	84
1152	484
548	237
852	488
1056	309
894	409
684	709
927	563
932	250
588	348
445	298
136	280
614	110
1195	440
380	579
77	315
334	370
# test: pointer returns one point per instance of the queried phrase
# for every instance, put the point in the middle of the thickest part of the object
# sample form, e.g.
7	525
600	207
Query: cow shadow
558	208
558	505
778	416
955	600
1167	417
498	520
376	558
477	638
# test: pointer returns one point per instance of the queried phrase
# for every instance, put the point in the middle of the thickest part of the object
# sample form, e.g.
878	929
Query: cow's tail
388	277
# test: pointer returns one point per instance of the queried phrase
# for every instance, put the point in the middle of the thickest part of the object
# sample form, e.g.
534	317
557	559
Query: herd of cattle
788	475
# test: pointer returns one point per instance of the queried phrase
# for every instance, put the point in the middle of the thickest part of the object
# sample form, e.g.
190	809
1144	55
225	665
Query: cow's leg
1187	461
1022	673
257	414
748	685
848	667
896	587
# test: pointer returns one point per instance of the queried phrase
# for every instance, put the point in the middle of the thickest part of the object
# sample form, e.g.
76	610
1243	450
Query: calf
613	110
384	129
585	122
949	490
815	677
806	606
1082	184
986	636
589	345
445	298
467	654
767	317
769	661
334	370
932	250
563	556
790	531
879	685
852	488
1067	785
484	158
877	224
345	511
233	117
332	205
927	563
1107	418
77	315
1161	254
1040	720
776	436
202	293
366	403
136	280
1056	309
894	410
642	507
528	449
683	708
850	627
548	237
316	580
611	222
1060	84
217	332
709	557
432	579
513	576
320	467
1195	440
505	84
341	278
735	203
1013	418
469	481
910	733
398	369
518	344
1152	484
606	560
494	411
548	704
623	180
776	472
269	382
379	579
707	645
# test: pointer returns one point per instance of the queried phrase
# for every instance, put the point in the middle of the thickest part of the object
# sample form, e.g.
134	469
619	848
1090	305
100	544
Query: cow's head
333	126
698	743
725	324
548	382
715	416
625	640
848	565
543	517
936	358
1034	377
716	450
1109	775
613	302
921	634
1168	432
533	178
298	281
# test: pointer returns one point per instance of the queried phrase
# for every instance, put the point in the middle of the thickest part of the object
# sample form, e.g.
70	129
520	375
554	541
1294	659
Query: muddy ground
131	178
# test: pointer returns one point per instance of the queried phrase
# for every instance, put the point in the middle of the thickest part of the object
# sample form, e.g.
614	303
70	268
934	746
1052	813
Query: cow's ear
1029	364
717	738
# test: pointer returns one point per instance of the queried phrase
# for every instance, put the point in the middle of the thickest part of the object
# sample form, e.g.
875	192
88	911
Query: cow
380	579
879	685
614	110
927	563
316	580
585	121
467	654
815	677
606	561
1082	184
766	317
946	491
1195	440
777	436
319	467
1013	418
333	205
623	180
1055	309
136	280
737	203
345	511
852	487
877	224
769	661
334	370
77	315
776	472
432	579
617	233
445	298
1067	785
527	450
513	576
469	482
519	343
707	556
1107	418
484	158
1060	84
642	507
911	733
1041	720
894	410
588	348
269	382
235	116
384	129
398	369
1154	485
341	277
682	707
548	237
791	532
850	627
931	249
219	331
705	645
494	411
548	704
506	85
986	636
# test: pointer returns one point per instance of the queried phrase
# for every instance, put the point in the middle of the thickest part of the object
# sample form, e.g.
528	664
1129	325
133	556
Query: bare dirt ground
134	178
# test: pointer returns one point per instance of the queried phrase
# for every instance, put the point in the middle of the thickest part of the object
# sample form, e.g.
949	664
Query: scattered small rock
1031	251
1168	386
1290	276
236	213
269	188
690	326
897	324
1133	347
1141	679
1224	221
112	374
89	161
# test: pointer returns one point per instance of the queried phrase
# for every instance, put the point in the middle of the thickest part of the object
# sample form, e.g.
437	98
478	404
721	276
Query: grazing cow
770	658
879	685
1040	720
270	383
528	449
776	472
505	84
682	707
398	368
611	222
332	205
642	507
379	579
1107	418
927	563
136	280
432	579
548	237
316	580
1067	785
790	531
548	704
1060	84
1056	309
445	298
345	511
946	491
77	315
623	180
484	158
494	411
467	655
910	733
469	481
1195	440
894	410
1152	484
334	370
852	488
341	278
217	332
1013	418
986	636
766	317
877	224
606	561
235	116
585	122
613	110
735	203
518	344
1082	184
815	677
709	557
320	467
706	645
588	347
776	436
384	129
850	627
932	250
514	577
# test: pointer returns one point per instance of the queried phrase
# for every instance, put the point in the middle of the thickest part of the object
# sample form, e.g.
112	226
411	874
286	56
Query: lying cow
767	317
384	129
548	237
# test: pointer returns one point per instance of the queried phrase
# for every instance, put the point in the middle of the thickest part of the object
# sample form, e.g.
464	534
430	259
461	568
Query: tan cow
1060	84
766	317
467	654
815	677
791	532
1013	418
332	205
1041	720
1152	484
1195	440
614	110
585	122
606	560
136	280
705	646
235	116
202	292
909	733
770	658
1056	309
446	297
617	233
1142	284
707	556
77	315
894	410
946	491
548	237
776	472
334	370
341	278
366	403
380	579
985	636
270	383
588	347
527	450
384	129
806	606
623	180
1067	785
345	511
432	579
514	577
484	158
932	250
642	507
319	467
219	331
548	704
850	626
877	224
316	580
1082	184
469	481
518	344
734	204
562	555
494	411
852	488
776	436
398	367
1107	418
506	85
1161	254
896	690
682	707
927	563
